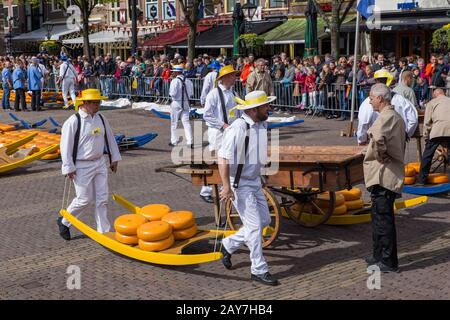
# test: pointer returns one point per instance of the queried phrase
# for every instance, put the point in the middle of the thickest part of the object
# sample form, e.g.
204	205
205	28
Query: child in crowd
310	83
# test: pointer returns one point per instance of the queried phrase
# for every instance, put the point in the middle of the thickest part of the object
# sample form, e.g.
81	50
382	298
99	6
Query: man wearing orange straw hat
241	157
84	138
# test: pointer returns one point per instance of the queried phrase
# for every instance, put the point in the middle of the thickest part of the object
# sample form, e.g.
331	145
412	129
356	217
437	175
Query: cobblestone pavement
321	263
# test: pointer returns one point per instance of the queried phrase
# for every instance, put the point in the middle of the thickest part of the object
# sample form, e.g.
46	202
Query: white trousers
91	184
215	137
251	205
68	87
175	113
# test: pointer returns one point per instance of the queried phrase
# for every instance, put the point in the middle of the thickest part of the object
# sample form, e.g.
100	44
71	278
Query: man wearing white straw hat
241	157
84	138
218	104
180	90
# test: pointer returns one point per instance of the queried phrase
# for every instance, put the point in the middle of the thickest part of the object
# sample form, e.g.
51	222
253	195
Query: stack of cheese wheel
323	201
183	224
411	170
437	178
126	228
155	236
154	212
353	198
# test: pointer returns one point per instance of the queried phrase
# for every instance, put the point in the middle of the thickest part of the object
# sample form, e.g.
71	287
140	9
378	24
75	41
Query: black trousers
427	157
20	99
36	100
384	234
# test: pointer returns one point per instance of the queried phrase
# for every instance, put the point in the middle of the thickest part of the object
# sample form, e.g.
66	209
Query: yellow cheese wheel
414	165
154	231
437	178
410	171
409	180
156	245
154	212
128	224
179	219
131	240
323	200
354	204
340	210
352	194
185	233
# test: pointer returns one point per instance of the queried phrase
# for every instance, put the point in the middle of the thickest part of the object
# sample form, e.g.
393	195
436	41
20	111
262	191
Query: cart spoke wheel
317	216
270	232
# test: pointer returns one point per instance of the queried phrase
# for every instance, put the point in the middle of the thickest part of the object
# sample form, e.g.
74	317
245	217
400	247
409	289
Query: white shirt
176	92
69	75
233	146
43	70
213	114
404	107
91	145
208	85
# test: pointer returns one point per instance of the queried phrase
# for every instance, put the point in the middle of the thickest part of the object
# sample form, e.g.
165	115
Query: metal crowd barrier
335	98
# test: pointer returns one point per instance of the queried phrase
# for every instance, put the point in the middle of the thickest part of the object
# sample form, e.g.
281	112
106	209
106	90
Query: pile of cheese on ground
41	141
412	170
155	227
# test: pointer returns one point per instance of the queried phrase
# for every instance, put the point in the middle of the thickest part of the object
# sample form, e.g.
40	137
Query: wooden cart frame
303	173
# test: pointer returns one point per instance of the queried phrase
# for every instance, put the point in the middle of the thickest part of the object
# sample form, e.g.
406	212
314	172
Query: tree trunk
191	43
85	31
335	31
2	32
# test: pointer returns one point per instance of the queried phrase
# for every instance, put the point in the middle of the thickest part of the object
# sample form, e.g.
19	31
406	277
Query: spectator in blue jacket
35	76
7	85
19	86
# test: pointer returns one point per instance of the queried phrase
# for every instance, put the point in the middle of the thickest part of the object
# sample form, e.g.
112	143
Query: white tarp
119	103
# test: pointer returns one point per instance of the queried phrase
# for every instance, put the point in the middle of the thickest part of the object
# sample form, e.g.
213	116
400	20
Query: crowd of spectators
318	84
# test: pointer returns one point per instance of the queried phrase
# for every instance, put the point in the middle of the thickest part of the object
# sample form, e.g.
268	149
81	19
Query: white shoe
65	107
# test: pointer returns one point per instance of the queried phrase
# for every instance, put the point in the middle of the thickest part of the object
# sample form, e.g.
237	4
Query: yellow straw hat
254	99
89	95
225	71
384	74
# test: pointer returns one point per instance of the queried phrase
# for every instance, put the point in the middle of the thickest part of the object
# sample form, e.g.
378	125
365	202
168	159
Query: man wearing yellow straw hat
84	138
241	157
218	104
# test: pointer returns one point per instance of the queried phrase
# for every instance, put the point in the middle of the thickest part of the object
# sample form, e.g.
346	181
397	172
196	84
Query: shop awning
293	31
176	35
105	36
222	36
56	33
401	23
58	29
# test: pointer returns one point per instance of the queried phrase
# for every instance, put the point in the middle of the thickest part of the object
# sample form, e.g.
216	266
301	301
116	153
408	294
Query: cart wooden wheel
316	216
270	233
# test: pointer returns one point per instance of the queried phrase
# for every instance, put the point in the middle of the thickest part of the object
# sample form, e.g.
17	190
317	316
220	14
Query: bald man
436	129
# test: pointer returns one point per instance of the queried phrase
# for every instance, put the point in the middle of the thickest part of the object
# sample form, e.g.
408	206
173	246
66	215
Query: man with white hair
404	107
181	90
383	176
35	83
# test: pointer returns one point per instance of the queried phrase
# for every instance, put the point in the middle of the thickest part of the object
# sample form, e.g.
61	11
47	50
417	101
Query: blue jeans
107	86
5	98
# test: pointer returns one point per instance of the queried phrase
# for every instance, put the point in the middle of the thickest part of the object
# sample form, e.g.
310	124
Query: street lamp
11	22
49	30
249	10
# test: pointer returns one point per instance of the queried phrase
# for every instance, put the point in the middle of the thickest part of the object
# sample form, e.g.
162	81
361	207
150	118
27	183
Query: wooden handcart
303	172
